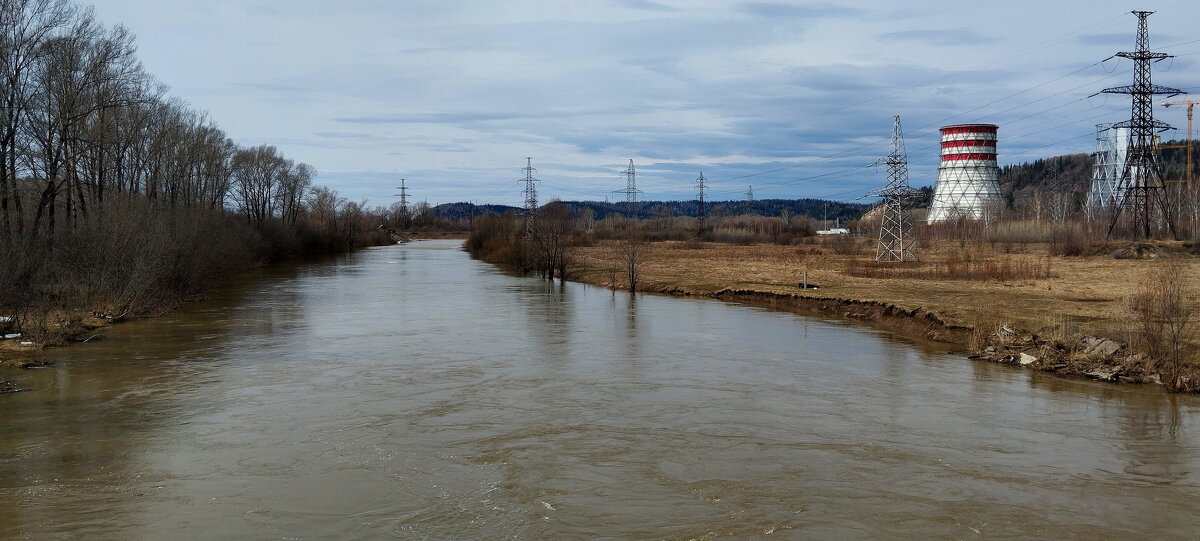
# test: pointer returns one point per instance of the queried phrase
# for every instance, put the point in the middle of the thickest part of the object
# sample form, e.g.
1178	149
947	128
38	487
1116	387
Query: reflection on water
408	391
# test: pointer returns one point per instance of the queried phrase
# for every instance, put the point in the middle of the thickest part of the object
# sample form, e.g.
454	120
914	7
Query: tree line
116	197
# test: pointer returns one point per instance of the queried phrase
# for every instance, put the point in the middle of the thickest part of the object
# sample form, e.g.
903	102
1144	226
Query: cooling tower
1111	147
968	179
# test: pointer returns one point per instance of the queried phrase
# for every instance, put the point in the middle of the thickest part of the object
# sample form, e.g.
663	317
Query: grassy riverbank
1067	315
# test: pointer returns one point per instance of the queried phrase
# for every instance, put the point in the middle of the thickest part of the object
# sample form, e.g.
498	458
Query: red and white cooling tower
968	185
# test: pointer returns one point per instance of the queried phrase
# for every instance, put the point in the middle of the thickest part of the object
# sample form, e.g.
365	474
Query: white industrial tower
968	184
1111	147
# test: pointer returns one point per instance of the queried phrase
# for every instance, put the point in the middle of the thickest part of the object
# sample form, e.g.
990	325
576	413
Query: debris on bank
9	387
26	362
1093	357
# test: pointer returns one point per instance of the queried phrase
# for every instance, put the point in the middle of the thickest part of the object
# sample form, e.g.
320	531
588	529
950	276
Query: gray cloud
452	95
350	135
648	6
940	37
795	9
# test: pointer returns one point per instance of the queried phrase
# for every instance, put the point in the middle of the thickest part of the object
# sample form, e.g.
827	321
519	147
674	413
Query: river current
411	392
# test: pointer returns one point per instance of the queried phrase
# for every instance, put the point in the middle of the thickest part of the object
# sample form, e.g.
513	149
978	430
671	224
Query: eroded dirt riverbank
1069	323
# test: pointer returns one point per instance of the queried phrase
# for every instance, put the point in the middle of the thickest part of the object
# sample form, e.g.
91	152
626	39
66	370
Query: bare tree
631	249
552	238
25	28
1164	315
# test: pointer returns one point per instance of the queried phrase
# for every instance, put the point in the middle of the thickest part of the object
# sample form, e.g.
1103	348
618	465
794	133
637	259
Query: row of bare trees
119	199
82	123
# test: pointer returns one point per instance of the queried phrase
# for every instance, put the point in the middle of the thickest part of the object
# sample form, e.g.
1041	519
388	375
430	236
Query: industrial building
1111	146
968	185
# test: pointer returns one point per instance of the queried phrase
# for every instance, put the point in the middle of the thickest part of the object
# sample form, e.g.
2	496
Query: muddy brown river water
411	392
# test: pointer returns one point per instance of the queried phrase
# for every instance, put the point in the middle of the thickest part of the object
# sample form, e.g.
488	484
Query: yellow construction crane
1189	103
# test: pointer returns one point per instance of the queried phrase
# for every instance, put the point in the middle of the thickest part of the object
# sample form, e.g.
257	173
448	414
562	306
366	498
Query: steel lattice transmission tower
895	230
1144	196
530	195
700	186
403	195
630	190
405	217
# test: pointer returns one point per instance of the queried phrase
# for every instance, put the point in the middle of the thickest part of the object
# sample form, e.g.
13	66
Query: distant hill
816	208
1073	172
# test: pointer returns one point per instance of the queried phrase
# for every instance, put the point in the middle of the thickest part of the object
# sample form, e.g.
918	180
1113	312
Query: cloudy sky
794	98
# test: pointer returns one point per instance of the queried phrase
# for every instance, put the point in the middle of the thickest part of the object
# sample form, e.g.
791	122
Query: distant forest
1073	173
815	208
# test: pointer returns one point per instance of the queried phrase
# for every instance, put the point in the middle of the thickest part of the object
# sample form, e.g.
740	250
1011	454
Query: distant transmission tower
1144	196
530	195
405	217
700	186
750	193
895	230
630	190
403	195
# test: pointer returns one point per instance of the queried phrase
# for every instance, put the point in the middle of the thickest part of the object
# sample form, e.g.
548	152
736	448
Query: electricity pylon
630	190
896	238
403	195
530	196
1145	195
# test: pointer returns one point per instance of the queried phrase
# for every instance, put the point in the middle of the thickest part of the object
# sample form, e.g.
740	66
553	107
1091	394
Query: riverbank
1067	315
633	417
65	326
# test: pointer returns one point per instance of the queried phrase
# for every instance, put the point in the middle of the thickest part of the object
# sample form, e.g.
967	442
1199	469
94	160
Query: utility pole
700	185
630	190
1189	103
895	230
1145	195
530	196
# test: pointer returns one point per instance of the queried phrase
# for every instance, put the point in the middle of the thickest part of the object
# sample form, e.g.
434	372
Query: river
411	392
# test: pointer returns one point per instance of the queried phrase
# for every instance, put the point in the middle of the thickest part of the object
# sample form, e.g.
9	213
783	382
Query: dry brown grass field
1081	295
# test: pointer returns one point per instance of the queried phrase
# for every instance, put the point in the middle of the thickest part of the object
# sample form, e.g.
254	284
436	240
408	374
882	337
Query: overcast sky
453	95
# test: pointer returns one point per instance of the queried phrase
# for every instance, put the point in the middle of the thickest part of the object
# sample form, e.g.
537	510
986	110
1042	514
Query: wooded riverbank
119	201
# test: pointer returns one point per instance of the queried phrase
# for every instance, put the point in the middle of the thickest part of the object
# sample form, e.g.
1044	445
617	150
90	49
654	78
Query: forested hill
1073	172
814	208
817	208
